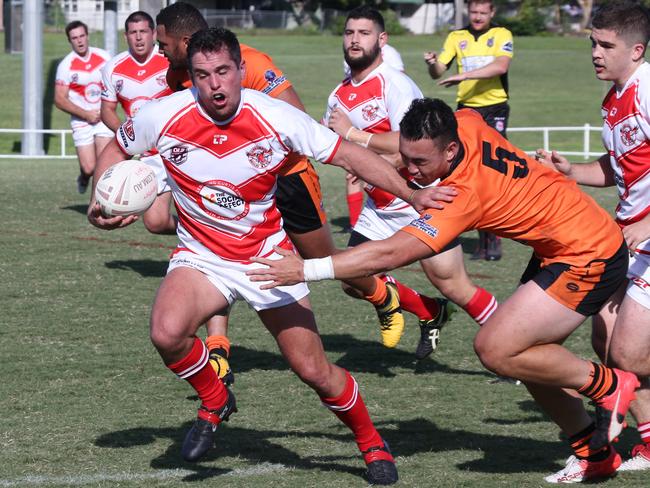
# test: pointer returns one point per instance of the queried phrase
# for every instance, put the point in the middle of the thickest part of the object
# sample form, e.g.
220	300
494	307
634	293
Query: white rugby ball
127	188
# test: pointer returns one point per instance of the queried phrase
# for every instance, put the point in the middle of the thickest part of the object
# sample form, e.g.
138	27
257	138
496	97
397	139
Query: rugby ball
126	188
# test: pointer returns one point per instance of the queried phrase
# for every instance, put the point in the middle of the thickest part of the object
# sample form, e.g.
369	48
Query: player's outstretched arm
597	173
366	259
384	143
375	170
110	155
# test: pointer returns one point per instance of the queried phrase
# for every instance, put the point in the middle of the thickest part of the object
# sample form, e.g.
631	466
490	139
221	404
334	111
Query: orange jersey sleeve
506	192
261	74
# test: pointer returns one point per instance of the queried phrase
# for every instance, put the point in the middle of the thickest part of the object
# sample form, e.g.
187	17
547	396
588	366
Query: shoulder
398	81
115	60
101	53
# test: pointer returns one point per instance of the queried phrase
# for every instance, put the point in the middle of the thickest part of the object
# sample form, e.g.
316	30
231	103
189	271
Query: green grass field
85	400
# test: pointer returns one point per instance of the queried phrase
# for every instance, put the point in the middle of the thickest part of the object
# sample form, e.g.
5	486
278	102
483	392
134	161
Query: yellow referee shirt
473	53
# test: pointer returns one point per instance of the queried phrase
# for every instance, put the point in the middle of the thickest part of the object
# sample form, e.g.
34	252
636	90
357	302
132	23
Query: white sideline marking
263	468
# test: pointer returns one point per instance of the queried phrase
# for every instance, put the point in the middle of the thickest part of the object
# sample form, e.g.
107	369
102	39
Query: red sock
195	369
355	204
644	432
351	410
426	308
481	306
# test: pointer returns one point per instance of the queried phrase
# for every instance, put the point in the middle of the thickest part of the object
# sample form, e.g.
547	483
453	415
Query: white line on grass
259	469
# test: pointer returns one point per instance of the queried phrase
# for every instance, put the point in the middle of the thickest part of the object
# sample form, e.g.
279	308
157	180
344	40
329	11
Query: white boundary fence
586	130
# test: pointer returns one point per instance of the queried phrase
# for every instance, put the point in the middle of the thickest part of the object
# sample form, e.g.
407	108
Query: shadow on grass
502	454
147	268
524	406
359	357
76	208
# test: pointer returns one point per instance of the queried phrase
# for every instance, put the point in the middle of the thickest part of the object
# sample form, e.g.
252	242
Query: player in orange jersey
579	261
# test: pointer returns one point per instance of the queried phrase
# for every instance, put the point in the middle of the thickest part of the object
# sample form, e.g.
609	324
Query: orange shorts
583	289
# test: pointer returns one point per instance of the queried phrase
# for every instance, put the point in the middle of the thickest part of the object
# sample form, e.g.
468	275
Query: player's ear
451	151
383	39
242	67
638	51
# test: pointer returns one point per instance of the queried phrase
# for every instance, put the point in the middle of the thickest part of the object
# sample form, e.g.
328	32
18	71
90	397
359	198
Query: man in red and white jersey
131	79
367	108
223	148
621	31
298	195
77	91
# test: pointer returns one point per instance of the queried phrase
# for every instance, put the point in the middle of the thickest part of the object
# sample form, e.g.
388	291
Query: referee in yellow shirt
483	53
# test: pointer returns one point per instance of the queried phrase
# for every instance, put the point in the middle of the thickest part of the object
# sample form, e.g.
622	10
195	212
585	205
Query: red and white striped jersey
223	174
376	105
131	83
83	77
626	136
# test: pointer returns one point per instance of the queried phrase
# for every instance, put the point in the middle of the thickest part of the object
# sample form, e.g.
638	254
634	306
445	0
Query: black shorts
583	289
356	238
496	116
299	199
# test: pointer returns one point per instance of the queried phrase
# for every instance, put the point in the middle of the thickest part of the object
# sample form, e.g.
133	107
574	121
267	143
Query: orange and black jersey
504	191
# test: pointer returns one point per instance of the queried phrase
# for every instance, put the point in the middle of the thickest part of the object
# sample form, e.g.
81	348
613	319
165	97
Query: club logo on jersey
628	134
462	45
178	155
422	225
222	200
74	78
119	84
259	156
273	80
507	47
490	42
141	72
127	128
161	80
369	112
572	286
352	96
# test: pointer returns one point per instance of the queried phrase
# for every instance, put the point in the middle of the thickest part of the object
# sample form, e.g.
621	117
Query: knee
490	355
163	334
630	359
313	373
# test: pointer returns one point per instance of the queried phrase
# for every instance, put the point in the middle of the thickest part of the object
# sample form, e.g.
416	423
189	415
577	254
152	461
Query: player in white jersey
77	91
223	147
367	108
621	31
131	79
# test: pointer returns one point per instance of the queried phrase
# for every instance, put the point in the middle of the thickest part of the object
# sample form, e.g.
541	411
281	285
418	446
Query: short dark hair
429	118
628	19
366	12
181	19
73	25
213	40
139	16
481	2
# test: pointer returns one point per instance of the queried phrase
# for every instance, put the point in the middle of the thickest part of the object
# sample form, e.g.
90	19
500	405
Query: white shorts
155	162
230	279
377	224
83	133
638	273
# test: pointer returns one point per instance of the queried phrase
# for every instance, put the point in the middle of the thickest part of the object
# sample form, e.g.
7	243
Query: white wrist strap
347	134
318	269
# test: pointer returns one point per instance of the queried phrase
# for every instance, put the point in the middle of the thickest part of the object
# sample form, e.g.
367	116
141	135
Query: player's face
362	43
140	39
612	57
79	40
480	15
425	160
218	79
174	48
